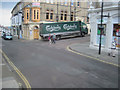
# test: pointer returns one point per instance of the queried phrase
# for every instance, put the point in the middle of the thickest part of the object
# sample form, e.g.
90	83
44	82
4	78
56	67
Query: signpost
101	27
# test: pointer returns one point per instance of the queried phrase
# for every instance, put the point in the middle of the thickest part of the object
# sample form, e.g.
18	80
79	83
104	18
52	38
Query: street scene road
53	66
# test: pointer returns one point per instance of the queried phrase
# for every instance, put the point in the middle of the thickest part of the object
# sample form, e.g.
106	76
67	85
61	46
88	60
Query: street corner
86	52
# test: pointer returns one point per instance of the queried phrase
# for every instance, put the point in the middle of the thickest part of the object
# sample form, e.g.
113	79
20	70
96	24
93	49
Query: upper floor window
65	17
71	17
72	2
61	2
78	3
47	14
27	14
61	15
37	14
51	1
47	1
65	2
34	14
51	14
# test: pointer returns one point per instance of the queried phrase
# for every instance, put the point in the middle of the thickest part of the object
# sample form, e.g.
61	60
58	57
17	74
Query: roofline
15	6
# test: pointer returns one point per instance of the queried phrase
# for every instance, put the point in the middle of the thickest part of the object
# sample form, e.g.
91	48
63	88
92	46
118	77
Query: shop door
36	34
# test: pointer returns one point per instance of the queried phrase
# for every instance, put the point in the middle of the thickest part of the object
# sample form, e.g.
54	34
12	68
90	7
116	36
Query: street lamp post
57	12
101	28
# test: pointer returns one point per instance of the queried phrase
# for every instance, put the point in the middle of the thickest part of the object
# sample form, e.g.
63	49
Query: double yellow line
17	71
68	48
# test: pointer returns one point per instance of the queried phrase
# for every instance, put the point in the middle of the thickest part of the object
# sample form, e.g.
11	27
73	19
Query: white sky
5	17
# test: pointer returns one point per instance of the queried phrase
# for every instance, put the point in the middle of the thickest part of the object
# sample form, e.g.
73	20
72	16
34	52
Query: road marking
17	71
68	48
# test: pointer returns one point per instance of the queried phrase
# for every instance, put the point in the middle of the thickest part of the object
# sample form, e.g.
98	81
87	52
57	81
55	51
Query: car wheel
58	37
83	34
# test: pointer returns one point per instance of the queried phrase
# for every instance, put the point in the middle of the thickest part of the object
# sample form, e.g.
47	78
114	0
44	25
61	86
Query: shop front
116	34
111	31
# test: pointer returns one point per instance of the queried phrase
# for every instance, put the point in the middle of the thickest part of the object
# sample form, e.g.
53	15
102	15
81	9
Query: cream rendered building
35	12
111	26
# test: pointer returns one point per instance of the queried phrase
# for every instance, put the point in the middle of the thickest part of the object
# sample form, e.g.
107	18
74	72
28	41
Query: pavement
7	77
85	50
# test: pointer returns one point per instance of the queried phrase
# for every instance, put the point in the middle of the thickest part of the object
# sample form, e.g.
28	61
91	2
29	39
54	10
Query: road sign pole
101	28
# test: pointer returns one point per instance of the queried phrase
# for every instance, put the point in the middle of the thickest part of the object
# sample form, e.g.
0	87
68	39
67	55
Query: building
27	16
111	26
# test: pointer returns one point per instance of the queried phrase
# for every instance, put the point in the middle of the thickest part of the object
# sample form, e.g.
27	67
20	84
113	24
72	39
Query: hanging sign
36	4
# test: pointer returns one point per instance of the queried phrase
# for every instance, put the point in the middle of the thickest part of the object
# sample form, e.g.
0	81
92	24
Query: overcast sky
5	12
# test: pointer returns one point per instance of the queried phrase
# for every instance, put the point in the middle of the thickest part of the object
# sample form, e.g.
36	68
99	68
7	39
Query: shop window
116	30
116	35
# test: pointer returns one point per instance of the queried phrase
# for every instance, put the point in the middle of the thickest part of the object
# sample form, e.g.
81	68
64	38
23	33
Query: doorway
36	33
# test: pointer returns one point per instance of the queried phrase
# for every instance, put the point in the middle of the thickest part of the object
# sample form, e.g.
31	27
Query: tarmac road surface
52	66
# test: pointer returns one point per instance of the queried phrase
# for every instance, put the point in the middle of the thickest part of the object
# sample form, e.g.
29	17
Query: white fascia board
115	7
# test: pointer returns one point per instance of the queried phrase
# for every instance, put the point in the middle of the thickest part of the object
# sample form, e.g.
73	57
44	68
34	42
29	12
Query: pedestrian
113	52
54	37
49	38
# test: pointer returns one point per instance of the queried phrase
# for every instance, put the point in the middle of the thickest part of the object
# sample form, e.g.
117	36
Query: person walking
54	37
49	38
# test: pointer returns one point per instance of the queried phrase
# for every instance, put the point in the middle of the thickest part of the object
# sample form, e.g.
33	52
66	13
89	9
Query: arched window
61	15
65	16
51	14
71	17
78	3
47	14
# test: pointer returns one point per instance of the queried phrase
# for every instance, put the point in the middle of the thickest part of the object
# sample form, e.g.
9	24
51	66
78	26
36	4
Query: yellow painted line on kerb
17	71
68	48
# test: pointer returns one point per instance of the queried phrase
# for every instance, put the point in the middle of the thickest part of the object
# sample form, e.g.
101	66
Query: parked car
7	36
